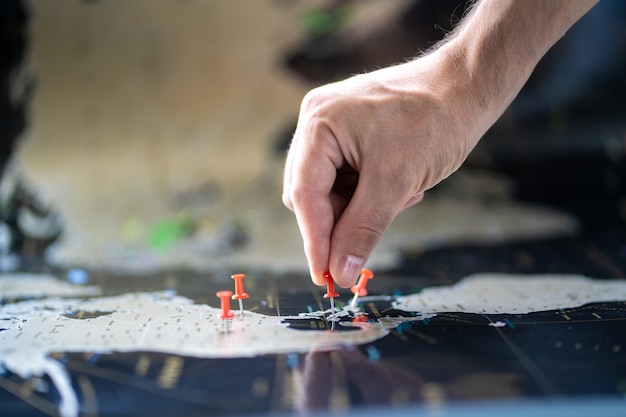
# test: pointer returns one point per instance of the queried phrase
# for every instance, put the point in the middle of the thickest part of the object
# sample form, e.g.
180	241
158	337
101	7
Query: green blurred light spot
318	22
168	231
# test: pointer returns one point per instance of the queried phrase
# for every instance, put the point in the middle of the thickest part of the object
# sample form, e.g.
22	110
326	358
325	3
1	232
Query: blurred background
145	135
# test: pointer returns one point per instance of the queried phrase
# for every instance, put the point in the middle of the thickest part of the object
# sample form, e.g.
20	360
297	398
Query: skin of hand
368	147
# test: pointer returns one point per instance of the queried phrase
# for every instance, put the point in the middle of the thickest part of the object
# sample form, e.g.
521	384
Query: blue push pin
77	276
373	354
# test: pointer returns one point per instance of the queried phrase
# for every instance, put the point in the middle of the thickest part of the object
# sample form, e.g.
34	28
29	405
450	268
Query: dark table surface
564	355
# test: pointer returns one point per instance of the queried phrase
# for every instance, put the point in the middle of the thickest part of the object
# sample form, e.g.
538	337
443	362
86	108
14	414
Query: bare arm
499	43
369	146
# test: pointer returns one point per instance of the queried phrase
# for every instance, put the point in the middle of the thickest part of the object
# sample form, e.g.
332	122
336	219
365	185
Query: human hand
368	147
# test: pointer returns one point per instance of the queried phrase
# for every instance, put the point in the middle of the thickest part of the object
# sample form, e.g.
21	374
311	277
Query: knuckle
371	229
369	234
313	100
297	196
319	103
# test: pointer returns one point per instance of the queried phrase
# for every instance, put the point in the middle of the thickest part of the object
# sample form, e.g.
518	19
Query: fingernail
350	267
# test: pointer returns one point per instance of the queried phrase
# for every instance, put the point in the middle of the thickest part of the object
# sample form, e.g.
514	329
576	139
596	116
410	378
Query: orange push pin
330	291
360	318
240	294
225	299
360	289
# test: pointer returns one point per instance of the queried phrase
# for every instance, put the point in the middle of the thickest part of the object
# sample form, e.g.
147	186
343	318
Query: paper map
30	331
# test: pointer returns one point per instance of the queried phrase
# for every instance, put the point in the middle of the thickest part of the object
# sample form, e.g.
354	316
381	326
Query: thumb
359	229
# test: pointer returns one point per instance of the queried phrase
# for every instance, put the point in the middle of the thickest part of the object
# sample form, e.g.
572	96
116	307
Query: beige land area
159	110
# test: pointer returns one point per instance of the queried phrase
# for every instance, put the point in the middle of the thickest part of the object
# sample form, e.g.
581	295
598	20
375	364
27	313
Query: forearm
498	44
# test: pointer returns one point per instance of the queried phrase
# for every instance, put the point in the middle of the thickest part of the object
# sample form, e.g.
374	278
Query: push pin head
330	286
224	297
360	288
360	318
330	292
240	294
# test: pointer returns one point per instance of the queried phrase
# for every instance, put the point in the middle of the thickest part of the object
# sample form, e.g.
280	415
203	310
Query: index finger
311	172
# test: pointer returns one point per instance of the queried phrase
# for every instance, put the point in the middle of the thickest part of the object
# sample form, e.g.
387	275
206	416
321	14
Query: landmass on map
32	330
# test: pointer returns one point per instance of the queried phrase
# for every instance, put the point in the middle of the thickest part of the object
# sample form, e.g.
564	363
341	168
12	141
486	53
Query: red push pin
225	299
240	294
360	289
360	318
330	291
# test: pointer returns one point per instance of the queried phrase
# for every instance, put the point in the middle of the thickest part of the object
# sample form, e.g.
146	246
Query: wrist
497	46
